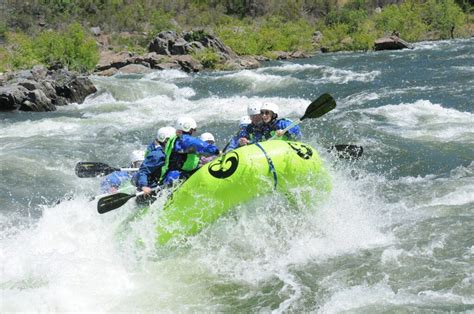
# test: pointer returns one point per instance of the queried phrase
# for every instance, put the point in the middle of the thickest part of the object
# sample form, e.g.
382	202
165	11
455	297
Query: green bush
405	18
247	37
72	49
208	57
160	21
20	52
336	38
443	16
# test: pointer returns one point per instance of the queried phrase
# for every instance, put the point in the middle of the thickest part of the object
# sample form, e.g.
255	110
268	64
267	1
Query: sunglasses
265	112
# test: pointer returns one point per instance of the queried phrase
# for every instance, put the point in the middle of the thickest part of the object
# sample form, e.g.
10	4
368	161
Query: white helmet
137	155
207	137
165	133
270	106
186	124
245	120
253	109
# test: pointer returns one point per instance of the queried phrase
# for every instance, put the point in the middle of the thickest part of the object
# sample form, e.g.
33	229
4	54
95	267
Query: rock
178	47
153	59
194	46
249	62
159	46
188	63
108	72
281	55
11	97
391	43
134	69
299	54
96	31
317	37
37	101
168	66
73	87
110	59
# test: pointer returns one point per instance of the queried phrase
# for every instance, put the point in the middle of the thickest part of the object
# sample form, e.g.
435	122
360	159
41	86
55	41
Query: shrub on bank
247	37
354	29
71	48
208	58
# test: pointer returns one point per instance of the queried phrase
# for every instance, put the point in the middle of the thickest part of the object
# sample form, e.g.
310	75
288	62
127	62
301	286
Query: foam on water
423	120
327	73
69	259
257	82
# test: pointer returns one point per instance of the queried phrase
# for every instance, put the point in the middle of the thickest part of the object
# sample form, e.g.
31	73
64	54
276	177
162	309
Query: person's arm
244	135
233	144
152	163
292	134
194	144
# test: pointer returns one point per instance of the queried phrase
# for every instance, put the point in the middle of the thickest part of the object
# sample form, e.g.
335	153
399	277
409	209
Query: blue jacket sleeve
150	165
292	134
191	144
114	180
234	143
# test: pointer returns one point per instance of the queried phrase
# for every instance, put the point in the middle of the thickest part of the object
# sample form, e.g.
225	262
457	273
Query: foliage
443	16
71	48
160	21
405	19
208	58
136	43
20	53
252	38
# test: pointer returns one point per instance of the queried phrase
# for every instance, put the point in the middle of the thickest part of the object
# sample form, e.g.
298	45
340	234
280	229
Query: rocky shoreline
42	89
172	50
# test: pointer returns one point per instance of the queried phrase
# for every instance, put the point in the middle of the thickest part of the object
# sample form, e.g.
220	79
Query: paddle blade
113	201
86	169
320	107
347	151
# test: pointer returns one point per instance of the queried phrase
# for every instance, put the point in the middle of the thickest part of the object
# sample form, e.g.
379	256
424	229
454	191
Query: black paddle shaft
86	169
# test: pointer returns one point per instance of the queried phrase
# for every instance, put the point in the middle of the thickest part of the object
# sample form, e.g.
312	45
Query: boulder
134	69
110	59
11	97
188	63
73	87
37	101
391	43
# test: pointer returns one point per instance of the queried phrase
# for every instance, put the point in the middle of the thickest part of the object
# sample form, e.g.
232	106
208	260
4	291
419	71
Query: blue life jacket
149	173
252	132
268	130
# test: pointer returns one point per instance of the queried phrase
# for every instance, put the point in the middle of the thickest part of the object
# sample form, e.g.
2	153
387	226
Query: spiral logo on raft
302	150
224	166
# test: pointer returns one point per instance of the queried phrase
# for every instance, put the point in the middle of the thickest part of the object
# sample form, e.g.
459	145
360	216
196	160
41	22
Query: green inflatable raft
235	178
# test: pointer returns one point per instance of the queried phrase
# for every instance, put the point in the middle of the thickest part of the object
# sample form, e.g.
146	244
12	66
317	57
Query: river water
395	234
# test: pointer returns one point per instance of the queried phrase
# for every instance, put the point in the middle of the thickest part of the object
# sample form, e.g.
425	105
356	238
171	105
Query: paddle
319	107
347	151
85	169
114	201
